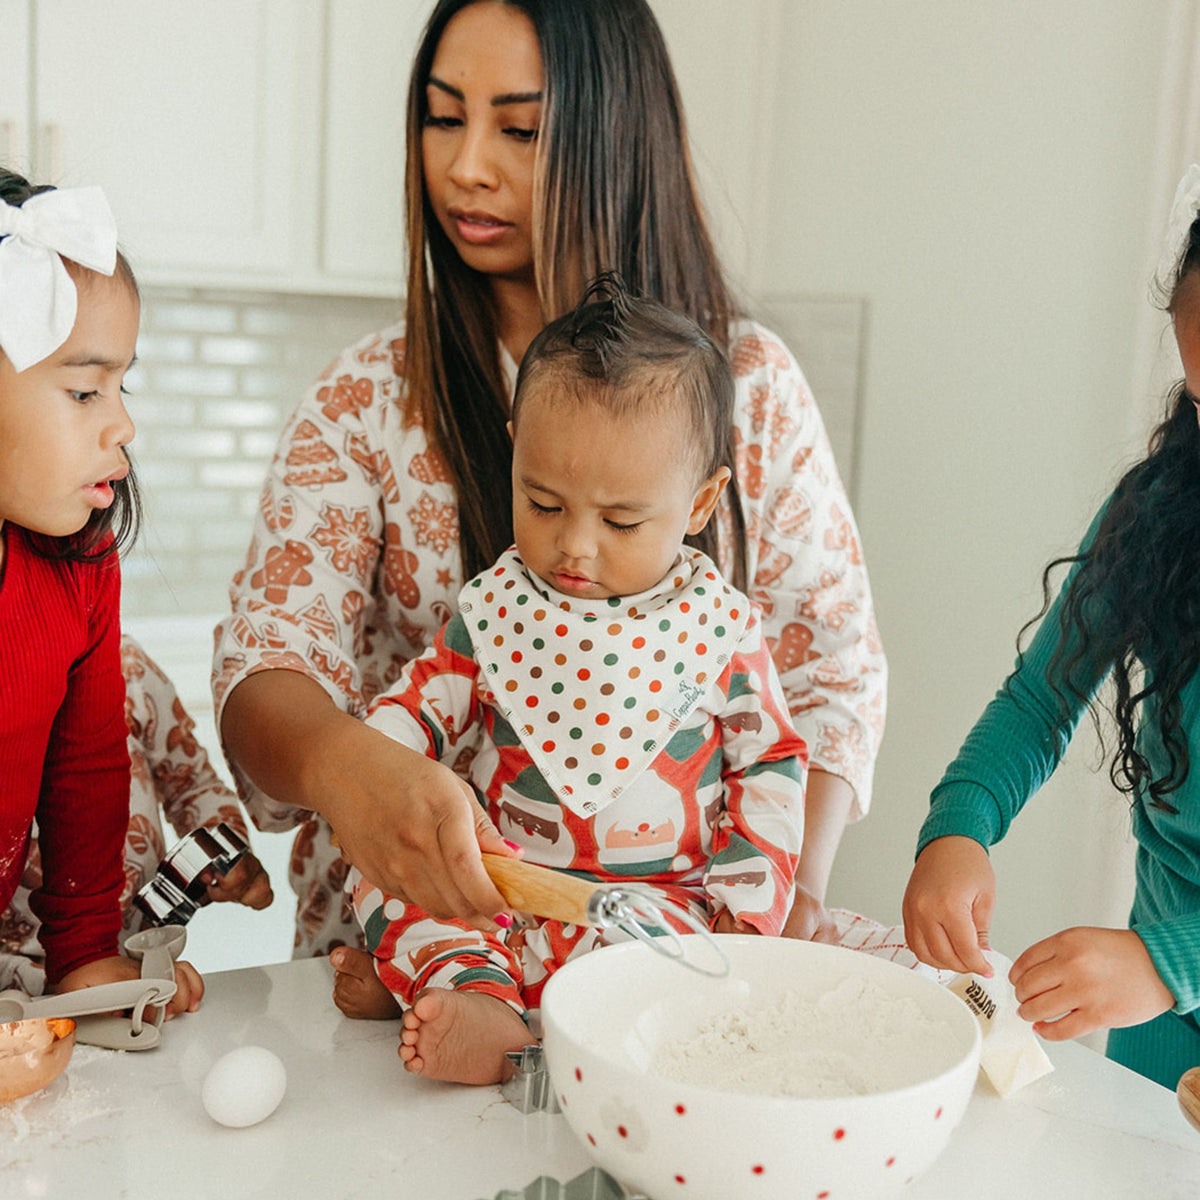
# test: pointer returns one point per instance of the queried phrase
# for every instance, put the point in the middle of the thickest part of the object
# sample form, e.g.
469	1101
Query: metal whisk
635	910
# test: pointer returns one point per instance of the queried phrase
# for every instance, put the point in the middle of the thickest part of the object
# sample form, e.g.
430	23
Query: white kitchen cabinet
369	51
195	119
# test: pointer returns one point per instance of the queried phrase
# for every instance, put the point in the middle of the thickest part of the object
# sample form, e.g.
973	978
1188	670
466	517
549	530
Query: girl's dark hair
115	528
1135	597
613	190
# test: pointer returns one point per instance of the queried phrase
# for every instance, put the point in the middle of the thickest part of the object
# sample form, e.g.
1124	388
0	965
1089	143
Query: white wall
980	173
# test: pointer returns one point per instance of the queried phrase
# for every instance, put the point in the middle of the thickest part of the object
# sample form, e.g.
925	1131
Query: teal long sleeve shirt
1015	746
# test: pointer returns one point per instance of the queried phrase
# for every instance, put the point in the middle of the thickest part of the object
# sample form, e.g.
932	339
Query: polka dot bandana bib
594	689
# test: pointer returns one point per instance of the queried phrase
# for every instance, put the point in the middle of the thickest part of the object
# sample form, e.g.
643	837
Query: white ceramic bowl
607	1016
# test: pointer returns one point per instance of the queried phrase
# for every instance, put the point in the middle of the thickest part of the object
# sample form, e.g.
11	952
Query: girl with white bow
69	312
1130	609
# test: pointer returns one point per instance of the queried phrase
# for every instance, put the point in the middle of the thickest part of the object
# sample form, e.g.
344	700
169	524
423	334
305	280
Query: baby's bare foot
357	990
460	1037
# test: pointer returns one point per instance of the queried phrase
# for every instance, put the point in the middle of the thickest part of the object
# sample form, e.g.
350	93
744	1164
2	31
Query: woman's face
478	147
1186	316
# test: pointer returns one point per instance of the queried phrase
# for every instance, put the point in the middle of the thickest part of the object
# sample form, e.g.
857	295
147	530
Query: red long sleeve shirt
63	758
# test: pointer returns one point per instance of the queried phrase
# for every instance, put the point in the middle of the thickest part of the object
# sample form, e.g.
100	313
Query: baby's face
601	505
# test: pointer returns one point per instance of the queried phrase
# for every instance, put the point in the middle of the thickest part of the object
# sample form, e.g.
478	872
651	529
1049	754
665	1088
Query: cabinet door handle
50	156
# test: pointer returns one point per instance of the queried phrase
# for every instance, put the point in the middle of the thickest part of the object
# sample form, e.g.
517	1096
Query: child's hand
948	905
246	882
1090	979
189	987
809	920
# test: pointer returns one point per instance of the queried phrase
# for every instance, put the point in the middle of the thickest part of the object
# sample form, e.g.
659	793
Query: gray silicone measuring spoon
158	949
103	997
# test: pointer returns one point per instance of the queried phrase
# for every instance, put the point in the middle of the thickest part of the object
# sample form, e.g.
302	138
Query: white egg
244	1086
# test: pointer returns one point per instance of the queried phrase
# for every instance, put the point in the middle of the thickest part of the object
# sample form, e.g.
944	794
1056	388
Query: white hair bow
1184	210
37	297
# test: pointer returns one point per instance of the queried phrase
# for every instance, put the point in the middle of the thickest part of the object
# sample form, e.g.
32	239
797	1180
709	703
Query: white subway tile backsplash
263	382
241	413
228	537
257	445
196	501
189	442
167	313
239	351
194	380
267	322
161	477
166	347
232	475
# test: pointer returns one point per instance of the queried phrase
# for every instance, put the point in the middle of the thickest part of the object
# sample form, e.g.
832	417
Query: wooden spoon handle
540	890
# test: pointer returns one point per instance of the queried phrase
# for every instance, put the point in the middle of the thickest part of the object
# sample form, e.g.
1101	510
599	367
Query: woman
546	143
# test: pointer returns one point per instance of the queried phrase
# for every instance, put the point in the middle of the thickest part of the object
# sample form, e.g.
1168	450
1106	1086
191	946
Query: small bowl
608	1015
28	1062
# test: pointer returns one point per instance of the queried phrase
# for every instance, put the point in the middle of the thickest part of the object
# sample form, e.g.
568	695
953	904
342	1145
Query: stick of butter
1012	1055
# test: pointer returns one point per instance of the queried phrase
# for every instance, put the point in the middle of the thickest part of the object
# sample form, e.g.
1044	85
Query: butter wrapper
1011	1055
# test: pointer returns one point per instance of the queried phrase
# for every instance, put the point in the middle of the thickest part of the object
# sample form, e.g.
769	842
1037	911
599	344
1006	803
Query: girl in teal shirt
1129	608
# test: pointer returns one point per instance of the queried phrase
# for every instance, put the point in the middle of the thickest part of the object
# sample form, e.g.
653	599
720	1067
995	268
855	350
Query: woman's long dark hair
613	191
114	529
1136	593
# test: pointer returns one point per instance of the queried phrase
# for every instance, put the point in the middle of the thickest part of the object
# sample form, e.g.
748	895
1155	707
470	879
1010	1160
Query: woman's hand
246	882
948	905
409	824
1085	979
189	987
413	827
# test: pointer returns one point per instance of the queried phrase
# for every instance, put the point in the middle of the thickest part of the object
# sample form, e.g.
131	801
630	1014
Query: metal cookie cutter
593	1184
529	1089
180	885
91	1007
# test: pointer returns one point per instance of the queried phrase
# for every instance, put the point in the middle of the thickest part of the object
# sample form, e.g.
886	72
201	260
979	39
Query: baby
604	692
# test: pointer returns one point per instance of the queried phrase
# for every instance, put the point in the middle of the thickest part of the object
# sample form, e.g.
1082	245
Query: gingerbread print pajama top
354	566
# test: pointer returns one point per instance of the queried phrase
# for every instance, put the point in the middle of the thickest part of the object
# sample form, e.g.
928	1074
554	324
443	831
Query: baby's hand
1091	979
727	923
189	987
246	882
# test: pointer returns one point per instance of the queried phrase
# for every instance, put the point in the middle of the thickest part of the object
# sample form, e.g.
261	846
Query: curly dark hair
110	530
1136	594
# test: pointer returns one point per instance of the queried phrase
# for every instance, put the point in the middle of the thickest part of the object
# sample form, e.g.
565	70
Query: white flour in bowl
852	1040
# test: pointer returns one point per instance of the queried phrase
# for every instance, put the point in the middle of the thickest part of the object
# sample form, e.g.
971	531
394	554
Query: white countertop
354	1125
